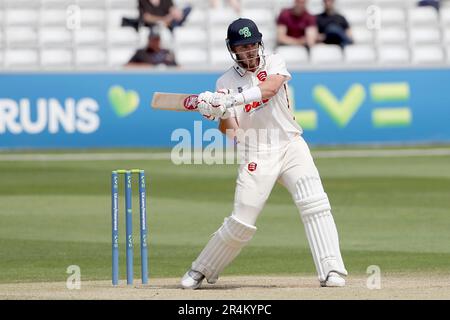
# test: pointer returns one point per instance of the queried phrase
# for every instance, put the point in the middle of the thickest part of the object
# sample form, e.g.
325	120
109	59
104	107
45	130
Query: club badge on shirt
262	76
252	166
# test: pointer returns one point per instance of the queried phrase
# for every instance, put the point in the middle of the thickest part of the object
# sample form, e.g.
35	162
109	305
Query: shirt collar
241	71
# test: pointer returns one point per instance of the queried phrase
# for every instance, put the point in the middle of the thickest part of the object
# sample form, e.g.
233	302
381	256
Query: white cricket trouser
293	167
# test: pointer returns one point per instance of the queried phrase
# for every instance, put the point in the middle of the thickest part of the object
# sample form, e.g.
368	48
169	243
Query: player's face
248	55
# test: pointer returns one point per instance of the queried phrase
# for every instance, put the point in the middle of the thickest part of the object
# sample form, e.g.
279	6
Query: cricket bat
174	101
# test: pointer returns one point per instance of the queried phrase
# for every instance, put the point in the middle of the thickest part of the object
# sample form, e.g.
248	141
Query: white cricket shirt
275	115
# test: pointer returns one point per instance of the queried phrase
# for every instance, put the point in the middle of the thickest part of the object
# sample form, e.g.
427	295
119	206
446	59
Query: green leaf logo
245	32
340	111
123	102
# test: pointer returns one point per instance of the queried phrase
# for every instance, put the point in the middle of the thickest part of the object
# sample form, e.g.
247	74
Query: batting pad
224	246
315	211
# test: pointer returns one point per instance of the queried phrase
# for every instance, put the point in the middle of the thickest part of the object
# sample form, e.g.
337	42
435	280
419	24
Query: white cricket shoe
192	280
333	280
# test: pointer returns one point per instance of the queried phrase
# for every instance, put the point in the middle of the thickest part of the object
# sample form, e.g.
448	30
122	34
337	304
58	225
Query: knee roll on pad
314	204
315	211
223	247
308	191
310	197
236	233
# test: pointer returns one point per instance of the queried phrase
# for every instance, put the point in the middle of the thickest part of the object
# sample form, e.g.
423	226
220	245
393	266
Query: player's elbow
222	126
269	92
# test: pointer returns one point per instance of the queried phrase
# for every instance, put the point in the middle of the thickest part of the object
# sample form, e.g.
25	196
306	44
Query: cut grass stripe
50	264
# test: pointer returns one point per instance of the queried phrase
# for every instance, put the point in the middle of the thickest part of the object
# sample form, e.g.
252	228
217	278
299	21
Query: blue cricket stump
129	227
129	224
115	226
143	225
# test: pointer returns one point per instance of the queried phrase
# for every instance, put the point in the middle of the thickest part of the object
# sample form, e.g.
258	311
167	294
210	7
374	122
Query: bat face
174	101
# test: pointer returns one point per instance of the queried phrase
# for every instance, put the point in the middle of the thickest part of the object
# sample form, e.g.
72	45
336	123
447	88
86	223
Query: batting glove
205	97
204	108
214	104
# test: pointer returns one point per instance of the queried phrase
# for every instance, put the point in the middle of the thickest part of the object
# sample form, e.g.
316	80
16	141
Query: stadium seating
260	16
190	36
53	17
256	4
119	56
21	58
396	35
220	57
196	18
392	16
89	36
360	54
445	17
92	17
429	54
58	37
423	16
326	54
53	29
362	35
21	17
393	54
221	17
196	57
122	36
293	54
56	58
446	37
420	35
355	15
90	57
21	36
217	36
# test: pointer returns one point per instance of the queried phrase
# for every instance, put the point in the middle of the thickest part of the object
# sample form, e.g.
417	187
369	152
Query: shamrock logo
245	32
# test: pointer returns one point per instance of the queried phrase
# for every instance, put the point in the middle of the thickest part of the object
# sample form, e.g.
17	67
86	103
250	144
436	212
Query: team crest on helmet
245	32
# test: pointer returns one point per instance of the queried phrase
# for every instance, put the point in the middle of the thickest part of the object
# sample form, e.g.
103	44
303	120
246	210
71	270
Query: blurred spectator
153	12
153	55
235	4
432	3
295	26
333	27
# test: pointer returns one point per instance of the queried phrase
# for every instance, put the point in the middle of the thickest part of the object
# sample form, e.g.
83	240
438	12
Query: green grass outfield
393	212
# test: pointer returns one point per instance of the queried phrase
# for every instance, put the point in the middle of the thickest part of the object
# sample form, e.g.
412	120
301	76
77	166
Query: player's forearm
270	87
265	90
228	127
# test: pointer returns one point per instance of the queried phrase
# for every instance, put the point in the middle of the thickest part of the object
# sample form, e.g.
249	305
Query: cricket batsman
252	95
